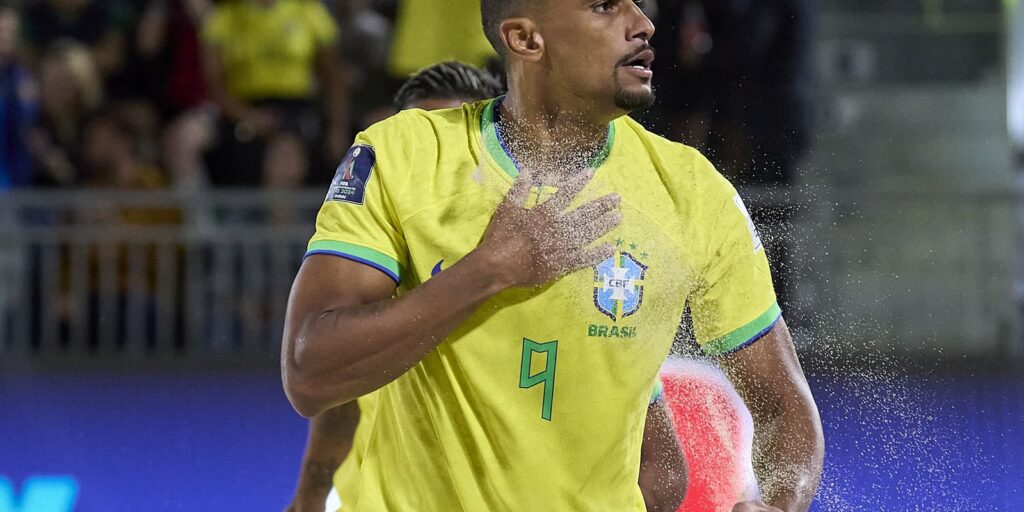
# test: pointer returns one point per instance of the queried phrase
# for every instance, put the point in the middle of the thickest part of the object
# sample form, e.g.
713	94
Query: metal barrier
101	275
148	274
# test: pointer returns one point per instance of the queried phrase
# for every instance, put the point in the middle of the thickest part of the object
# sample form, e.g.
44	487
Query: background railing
148	274
94	276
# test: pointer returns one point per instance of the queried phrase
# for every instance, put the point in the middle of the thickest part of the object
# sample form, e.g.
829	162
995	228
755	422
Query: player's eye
604	6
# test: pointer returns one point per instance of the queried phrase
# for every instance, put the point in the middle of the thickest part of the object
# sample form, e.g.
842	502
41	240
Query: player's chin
635	98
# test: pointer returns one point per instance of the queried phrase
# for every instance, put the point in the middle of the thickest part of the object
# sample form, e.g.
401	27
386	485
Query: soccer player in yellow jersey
508	277
663	472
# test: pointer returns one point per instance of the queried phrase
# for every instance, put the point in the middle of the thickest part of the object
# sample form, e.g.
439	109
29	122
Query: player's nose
641	27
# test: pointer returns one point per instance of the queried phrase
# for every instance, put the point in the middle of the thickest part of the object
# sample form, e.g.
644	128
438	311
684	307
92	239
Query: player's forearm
329	441
789	451
663	470
315	483
341	353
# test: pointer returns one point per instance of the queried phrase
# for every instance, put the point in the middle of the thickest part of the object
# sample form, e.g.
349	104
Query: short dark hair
449	80
493	12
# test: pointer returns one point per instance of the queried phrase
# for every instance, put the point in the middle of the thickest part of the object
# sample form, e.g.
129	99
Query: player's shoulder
681	165
422	127
409	145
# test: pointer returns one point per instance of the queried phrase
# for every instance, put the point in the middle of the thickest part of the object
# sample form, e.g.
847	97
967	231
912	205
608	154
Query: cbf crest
619	285
349	184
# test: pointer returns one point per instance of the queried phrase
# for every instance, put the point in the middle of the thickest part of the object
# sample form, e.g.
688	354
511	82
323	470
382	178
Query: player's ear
522	38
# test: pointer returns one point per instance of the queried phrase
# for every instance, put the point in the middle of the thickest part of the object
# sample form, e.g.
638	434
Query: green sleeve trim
358	253
745	335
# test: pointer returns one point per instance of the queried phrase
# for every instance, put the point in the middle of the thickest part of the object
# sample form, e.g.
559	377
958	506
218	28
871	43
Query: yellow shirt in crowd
432	31
269	51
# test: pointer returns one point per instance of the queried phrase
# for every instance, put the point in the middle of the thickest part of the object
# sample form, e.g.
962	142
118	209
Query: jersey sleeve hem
359	254
746	335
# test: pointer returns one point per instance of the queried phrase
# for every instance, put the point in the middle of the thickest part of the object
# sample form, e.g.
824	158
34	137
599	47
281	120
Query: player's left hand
754	506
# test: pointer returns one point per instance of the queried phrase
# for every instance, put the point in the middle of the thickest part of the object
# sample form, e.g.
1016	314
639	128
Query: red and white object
716	432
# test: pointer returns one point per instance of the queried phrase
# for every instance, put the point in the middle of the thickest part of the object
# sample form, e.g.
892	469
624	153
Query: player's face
601	48
436	104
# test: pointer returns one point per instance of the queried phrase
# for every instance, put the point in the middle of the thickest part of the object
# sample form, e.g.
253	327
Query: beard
631	101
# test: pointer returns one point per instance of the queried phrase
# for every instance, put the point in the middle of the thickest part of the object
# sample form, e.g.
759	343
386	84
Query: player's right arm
663	469
327	446
737	319
345	335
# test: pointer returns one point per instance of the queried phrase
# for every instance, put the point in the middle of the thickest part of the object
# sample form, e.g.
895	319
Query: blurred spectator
69	90
18	106
683	42
432	31
111	156
267	63
734	80
365	33
366	36
285	166
184	142
169	49
775	89
99	25
168	43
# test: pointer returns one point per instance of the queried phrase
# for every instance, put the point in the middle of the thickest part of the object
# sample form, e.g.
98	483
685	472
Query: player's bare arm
789	445
331	433
663	472
329	441
345	336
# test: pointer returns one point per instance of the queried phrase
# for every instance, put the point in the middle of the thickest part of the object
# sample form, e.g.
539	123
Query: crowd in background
147	94
197	95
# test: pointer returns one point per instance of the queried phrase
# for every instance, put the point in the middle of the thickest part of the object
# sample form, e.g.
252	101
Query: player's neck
550	134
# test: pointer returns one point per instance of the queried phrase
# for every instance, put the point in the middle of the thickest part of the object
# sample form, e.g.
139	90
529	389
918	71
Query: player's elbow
301	395
300	384
314	379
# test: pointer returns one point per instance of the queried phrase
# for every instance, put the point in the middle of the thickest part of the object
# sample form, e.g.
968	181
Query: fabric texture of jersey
269	52
346	477
538	401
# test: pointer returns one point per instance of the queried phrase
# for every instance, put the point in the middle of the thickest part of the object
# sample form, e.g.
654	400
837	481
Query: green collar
496	147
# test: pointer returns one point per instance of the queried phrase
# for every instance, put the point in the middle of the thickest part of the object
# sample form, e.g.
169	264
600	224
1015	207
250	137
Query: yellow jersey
431	31
538	400
269	52
346	477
